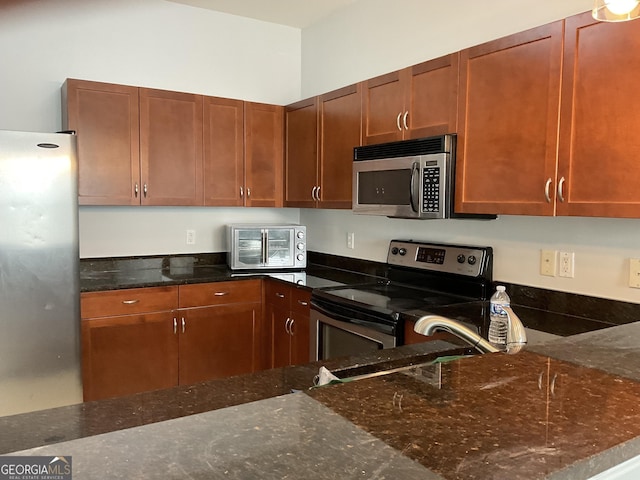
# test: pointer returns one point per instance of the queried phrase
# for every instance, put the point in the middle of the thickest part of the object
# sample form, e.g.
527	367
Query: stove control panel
439	257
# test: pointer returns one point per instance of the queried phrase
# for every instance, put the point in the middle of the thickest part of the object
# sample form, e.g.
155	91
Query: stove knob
472	260
402	251
461	258
394	251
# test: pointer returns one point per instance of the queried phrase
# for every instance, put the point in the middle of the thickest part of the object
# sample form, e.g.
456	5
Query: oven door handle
337	316
414	193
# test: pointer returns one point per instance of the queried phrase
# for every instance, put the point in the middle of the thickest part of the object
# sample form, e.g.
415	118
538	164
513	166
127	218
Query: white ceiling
295	13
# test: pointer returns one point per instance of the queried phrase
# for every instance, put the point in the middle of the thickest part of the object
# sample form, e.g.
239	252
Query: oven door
332	336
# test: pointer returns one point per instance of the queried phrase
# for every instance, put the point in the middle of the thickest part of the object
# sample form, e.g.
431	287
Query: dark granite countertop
566	408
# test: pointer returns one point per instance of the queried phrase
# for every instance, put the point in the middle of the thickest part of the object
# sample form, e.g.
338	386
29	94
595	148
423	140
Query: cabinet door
105	118
300	326
264	145
223	152
301	157
507	140
171	147
383	108
599	145
280	336
127	354
433	97
217	342
340	131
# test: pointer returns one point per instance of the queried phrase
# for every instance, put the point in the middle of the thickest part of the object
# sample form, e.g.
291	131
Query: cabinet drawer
220	293
300	299
278	294
129	301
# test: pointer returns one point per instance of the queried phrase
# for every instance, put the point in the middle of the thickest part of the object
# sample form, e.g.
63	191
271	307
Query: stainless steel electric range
446	279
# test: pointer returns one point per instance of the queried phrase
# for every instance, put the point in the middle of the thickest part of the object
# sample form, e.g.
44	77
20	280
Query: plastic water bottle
499	321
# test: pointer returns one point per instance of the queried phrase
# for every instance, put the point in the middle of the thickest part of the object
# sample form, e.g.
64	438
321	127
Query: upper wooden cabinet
321	133
170	147
264	142
105	117
223	151
507	140
598	171
415	102
139	146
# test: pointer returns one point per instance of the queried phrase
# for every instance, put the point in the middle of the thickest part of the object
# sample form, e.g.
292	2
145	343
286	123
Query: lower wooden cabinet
150	338
288	313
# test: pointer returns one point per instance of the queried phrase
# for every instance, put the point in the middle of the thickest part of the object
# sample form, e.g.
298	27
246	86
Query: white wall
373	37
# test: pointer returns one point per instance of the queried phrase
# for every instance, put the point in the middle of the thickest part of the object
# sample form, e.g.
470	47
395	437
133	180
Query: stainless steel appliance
257	247
452	280
407	179
39	279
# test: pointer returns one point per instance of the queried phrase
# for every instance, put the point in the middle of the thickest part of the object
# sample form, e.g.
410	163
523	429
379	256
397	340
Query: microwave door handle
414	194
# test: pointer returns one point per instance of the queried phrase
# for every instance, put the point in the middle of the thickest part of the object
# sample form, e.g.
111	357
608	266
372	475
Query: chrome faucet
516	336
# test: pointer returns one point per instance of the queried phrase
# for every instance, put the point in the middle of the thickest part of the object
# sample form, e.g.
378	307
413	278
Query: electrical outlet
567	262
191	237
634	272
548	262
351	239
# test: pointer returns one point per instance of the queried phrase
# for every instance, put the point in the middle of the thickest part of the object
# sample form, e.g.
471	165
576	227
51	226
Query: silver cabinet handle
398	121
184	324
540	380
404	120
220	294
280	295
130	302
144	189
135	190
175	325
241	192
561	189
313	192
248	192
286	326
318	193
303	303
293	320
547	186
553	384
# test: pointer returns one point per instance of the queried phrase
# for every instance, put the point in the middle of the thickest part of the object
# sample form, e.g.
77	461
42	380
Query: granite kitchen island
529	415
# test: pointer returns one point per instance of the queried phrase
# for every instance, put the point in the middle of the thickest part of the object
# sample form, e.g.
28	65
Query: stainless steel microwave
407	179
266	246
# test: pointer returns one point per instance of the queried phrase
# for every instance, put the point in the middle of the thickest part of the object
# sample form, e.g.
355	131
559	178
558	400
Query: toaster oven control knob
300	257
472	260
461	258
402	251
300	246
300	234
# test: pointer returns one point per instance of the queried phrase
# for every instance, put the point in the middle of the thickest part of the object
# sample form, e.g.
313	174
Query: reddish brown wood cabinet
288	313
598	172
321	133
170	147
129	342
507	140
418	101
105	118
150	338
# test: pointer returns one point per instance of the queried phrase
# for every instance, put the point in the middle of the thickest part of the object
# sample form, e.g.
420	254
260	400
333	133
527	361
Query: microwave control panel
431	195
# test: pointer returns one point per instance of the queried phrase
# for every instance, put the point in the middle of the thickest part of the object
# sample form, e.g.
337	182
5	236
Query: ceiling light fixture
616	10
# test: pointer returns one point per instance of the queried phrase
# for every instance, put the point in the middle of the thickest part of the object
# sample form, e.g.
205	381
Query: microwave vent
405	148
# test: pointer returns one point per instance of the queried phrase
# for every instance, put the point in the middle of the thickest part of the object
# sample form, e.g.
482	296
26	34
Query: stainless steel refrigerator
39	279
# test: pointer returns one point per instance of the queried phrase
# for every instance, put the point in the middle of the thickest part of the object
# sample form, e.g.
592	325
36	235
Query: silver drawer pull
175	325
221	294
280	295
303	303
183	324
130	302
